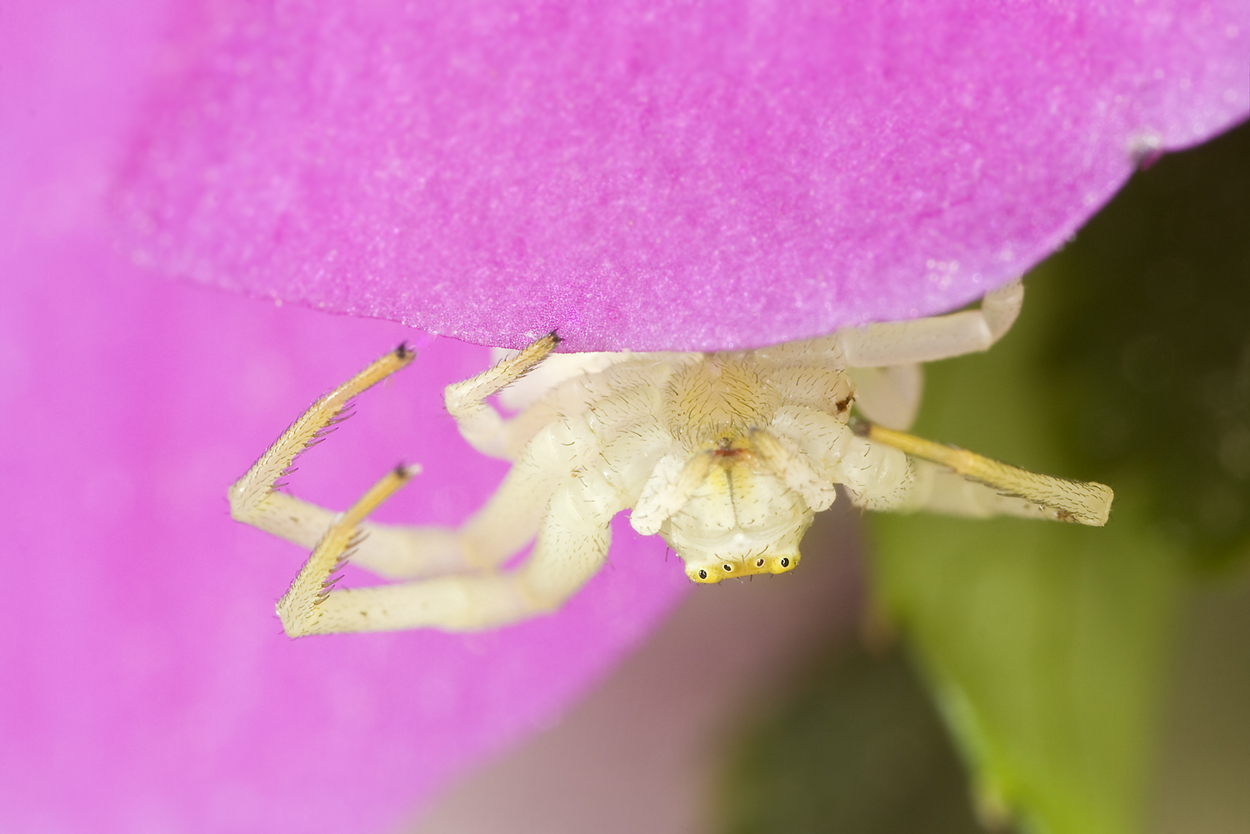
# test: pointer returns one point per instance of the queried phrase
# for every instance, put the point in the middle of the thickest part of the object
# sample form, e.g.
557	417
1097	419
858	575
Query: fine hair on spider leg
1082	502
727	456
301	606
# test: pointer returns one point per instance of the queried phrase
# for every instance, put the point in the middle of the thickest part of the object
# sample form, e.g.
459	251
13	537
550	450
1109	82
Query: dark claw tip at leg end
407	471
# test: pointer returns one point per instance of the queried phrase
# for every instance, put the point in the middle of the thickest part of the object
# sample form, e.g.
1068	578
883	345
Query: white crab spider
726	455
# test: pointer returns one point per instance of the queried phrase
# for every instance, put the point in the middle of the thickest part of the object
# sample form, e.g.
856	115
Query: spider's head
741	521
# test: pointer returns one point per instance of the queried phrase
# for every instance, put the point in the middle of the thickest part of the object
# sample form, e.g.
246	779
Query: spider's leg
909	342
930	339
620	441
479	423
889	396
937	489
989	487
300	606
254	498
508	521
877	476
572	545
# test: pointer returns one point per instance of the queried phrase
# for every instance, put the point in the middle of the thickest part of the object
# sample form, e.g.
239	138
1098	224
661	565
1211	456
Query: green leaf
1047	645
859	748
1044	643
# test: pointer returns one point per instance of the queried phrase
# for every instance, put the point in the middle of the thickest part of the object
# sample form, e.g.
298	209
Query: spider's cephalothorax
732	494
726	455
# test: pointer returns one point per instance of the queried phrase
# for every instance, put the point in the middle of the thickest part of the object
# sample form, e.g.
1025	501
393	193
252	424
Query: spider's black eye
728	568
785	561
702	574
759	563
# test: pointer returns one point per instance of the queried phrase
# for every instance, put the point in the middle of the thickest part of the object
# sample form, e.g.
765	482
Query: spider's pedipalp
820	436
672	484
787	462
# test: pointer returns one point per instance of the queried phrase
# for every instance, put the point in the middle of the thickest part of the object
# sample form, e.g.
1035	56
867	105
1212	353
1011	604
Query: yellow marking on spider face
736	568
1085	502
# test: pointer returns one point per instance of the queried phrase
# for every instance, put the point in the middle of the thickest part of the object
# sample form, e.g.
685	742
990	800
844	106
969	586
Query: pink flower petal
145	683
652	175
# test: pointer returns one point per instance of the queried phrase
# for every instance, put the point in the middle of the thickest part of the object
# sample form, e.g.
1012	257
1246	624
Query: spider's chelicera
726	455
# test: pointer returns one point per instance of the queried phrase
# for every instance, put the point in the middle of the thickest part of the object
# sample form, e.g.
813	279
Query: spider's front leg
570	480
255	498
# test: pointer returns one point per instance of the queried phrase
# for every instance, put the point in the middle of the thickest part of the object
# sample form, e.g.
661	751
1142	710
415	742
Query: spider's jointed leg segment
479	423
572	545
1012	490
255	499
300	608
934	338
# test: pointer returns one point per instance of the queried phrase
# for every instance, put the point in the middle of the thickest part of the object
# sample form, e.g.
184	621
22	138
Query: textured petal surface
637	177
145	683
651	175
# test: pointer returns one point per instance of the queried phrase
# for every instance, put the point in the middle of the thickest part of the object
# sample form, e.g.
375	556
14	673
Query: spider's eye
759	563
728	568
785	561
702	574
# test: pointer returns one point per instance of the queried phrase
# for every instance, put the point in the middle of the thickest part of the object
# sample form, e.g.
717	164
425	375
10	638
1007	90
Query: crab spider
726	455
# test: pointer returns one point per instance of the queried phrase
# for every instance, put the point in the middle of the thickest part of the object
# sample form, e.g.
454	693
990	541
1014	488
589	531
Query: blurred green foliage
1153	337
1044	643
1047	645
860	748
